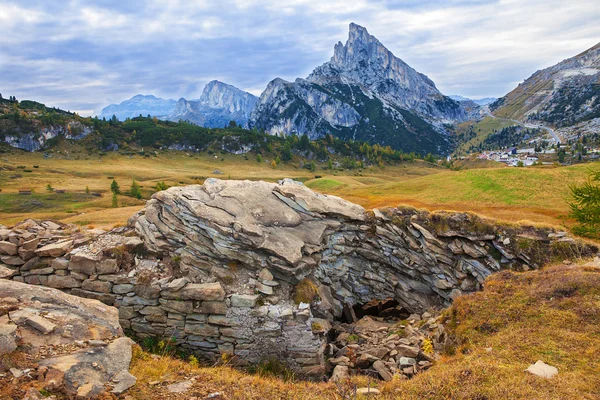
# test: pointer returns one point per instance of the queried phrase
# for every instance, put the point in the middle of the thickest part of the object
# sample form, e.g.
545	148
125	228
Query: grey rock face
364	92
219	104
34	141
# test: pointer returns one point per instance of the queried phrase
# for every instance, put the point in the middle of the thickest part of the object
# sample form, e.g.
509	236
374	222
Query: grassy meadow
536	194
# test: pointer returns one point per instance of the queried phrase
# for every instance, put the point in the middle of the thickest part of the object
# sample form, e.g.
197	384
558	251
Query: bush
305	291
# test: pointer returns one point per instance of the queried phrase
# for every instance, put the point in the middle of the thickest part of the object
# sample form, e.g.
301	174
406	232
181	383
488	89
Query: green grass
325	184
482	130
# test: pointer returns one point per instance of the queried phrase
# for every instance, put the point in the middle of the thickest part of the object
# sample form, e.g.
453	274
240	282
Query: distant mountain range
565	94
217	106
366	93
480	102
139	105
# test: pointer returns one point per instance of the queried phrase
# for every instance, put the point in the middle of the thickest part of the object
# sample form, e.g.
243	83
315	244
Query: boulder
340	373
87	372
542	369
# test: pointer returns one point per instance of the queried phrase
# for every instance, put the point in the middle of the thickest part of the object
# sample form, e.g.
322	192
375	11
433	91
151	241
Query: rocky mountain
219	104
562	95
139	105
365	93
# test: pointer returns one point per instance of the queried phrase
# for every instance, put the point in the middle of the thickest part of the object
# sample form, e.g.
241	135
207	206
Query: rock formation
259	270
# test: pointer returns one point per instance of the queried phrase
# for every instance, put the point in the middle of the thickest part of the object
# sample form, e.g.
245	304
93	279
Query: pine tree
114	187
585	207
135	190
114	200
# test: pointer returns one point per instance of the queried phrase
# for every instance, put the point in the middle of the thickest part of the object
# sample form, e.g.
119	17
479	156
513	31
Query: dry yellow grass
551	315
511	194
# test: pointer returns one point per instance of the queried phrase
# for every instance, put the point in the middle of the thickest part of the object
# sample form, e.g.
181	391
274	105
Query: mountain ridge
363	93
218	104
561	95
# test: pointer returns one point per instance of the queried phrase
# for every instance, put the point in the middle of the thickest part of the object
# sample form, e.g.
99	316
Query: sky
83	55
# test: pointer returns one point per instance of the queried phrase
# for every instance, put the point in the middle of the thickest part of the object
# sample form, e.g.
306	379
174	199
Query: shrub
305	291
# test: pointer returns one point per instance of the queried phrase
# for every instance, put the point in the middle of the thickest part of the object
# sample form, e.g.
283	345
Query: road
486	111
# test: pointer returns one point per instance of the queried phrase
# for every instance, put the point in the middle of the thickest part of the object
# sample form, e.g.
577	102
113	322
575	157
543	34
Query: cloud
82	55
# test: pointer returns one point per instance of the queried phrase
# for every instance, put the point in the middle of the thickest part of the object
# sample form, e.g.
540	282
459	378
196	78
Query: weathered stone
268	290
60	263
202	330
177	284
214	307
408	351
222	320
106	298
147	291
123	381
63	282
108	266
97	286
7	273
12	260
30	245
244	300
185	307
197	291
55	249
382	370
82	263
406	362
8	338
122	288
265	275
8	248
340	373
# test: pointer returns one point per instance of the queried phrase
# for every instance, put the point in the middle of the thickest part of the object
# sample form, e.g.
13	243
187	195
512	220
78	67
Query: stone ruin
257	270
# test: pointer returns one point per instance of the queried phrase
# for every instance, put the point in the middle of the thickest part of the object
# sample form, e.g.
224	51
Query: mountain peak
360	45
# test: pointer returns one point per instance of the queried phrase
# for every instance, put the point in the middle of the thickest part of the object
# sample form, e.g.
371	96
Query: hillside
562	95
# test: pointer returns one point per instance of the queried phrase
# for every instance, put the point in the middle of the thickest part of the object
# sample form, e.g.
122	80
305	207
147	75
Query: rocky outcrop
296	233
76	344
36	139
363	93
258	270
